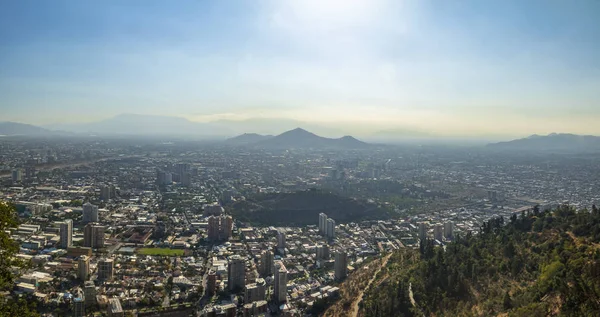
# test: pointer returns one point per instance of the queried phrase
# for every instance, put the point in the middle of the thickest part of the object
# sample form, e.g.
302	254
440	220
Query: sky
442	67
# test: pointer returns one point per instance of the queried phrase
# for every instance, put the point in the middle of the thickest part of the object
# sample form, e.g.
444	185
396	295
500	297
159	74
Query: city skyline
511	68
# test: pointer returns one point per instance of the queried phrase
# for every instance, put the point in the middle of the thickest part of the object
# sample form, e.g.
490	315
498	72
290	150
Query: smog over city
299	158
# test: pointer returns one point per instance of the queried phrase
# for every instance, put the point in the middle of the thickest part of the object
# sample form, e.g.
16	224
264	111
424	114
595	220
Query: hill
300	138
302	208
539	264
552	142
247	138
15	128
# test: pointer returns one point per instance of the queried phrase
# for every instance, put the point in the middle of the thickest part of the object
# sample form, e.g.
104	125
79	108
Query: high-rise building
422	231
266	263
79	303
90	213
89	291
66	234
280	283
341	265
106	269
322	223
107	192
211	283
255	291
186	179
322	252
93	236
281	241
17	176
438	232
330	228
236	273
83	268
226	227
449	230
220	227
213	227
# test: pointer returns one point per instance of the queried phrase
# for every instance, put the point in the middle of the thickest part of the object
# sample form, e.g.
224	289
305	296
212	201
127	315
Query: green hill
539	264
303	208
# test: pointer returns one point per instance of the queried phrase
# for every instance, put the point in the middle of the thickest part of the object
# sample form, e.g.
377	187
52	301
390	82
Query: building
90	213
93	236
106	269
213	228
220	227
256	309
66	234
211	283
236	273
281	241
107	192
341	265
186	179
322	223
280	283
266	263
322	252
114	308
89	291
79	304
438	232
422	231
83	269
17	176
255	291
330	228
449	230
226	227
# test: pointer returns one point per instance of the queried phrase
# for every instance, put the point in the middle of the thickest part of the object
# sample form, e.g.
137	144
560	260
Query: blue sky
448	67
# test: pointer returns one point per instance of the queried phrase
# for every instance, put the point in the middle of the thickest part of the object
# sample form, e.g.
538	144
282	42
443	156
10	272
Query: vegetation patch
160	251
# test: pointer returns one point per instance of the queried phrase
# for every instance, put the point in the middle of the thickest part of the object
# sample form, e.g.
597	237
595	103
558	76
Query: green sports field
160	251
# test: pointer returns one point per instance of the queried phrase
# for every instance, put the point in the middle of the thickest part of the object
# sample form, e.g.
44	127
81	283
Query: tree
8	251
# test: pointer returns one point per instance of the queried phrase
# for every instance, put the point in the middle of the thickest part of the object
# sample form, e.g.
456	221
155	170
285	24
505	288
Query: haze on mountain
15	128
552	142
300	138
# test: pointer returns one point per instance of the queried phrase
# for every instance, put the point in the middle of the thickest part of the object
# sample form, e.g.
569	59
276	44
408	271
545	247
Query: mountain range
15	128
552	142
297	138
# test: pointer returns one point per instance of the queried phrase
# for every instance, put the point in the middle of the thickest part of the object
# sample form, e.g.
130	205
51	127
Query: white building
330	228
280	287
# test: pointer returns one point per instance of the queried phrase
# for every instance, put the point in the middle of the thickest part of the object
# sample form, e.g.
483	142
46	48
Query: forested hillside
537	264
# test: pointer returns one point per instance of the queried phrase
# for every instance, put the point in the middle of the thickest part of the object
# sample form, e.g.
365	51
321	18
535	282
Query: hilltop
300	138
247	138
303	208
552	142
538	264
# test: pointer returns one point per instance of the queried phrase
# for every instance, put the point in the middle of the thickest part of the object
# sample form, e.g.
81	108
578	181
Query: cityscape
118	227
299	158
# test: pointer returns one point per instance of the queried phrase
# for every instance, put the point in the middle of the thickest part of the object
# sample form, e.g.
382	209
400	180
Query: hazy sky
455	67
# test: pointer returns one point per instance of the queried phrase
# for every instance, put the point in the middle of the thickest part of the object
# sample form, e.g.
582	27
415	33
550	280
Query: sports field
160	251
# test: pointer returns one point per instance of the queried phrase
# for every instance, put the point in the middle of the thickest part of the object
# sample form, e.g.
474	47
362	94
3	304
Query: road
355	305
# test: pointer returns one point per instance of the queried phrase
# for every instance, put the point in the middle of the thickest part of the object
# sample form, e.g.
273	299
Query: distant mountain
247	138
136	124
302	207
300	138
15	128
266	126
553	141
